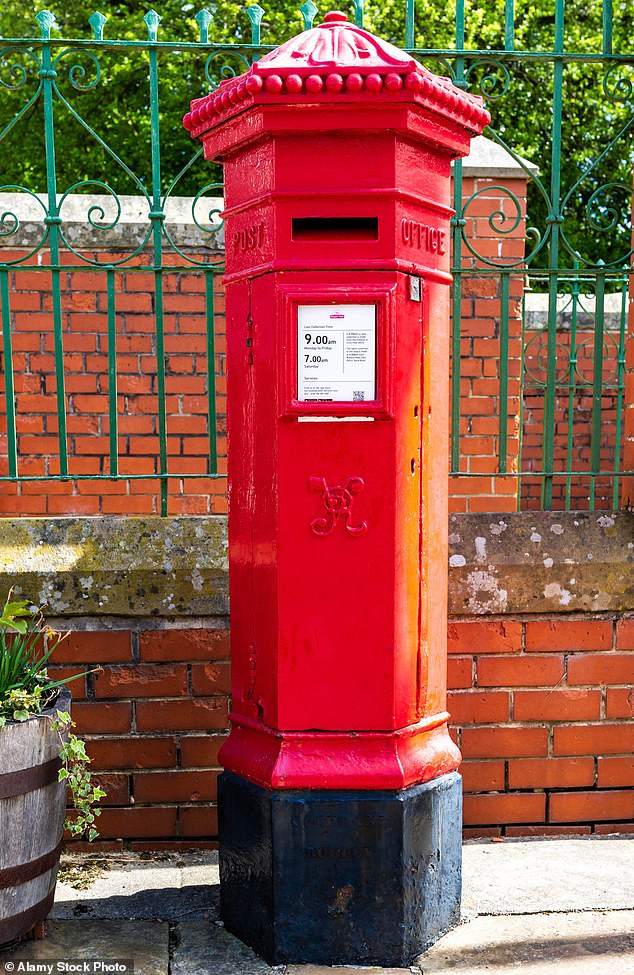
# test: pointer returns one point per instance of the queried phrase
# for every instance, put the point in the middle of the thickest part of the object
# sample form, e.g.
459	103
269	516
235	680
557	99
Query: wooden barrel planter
32	812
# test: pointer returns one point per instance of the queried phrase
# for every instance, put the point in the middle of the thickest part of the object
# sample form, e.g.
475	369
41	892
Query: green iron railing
558	257
577	235
48	54
587	389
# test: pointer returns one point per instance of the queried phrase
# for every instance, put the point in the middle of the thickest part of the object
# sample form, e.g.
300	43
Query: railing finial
47	22
152	21
97	21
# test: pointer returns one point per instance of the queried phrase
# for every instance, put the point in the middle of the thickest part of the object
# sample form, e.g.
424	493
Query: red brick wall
542	711
627	484
154	716
582	406
85	339
495	230
478	488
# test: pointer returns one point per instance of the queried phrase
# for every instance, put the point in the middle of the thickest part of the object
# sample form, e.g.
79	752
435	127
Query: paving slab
347	970
562	906
166	887
514	877
530	876
587	943
146	943
207	949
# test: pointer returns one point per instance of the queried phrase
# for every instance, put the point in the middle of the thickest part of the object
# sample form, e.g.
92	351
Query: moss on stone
118	566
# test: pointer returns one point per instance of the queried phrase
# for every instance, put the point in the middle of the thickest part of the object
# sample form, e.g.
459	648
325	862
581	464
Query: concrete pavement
554	906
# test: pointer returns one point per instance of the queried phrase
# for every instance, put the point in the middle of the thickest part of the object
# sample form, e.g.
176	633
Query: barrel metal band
23	872
19	924
29	779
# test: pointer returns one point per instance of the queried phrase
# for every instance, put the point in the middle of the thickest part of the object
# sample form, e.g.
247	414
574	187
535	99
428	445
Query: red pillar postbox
340	804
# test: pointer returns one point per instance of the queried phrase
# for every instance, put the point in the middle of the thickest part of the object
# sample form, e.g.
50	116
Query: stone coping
541	562
510	564
489	160
118	566
118	223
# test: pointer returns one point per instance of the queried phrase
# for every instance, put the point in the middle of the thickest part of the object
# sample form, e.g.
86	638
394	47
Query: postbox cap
335	45
336	61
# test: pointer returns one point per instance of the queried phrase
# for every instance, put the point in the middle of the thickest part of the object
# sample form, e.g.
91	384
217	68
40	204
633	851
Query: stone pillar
494	187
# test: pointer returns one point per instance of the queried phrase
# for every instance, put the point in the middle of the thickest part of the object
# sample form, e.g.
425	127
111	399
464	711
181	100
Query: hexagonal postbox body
337	151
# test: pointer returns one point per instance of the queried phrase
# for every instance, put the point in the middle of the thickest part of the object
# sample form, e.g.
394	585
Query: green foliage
103	118
24	686
76	774
26	644
112	102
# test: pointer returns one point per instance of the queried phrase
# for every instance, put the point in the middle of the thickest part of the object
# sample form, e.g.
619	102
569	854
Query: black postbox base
340	878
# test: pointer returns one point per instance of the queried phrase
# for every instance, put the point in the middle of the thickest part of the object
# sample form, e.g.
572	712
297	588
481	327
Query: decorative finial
203	19
97	21
335	17
255	13
152	21
308	11
47	23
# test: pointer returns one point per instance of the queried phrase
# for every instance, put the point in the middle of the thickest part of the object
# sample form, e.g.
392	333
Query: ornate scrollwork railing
570	216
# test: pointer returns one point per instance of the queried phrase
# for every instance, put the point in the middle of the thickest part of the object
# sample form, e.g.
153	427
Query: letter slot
335	228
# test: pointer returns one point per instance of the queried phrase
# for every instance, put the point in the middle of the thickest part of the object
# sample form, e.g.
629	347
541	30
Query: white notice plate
336	353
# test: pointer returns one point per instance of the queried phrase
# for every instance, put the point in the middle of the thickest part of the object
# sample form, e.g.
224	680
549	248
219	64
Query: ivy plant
26	691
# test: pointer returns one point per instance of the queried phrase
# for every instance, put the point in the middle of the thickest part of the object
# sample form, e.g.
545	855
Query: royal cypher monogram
337	500
423	237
